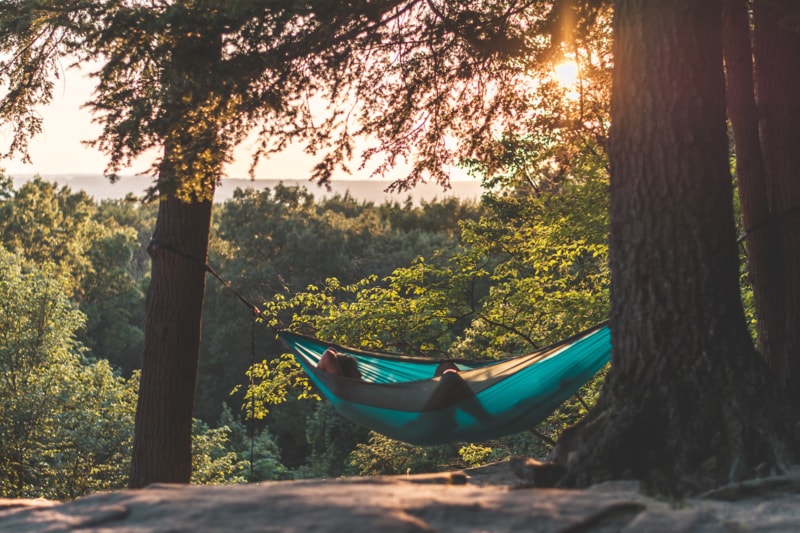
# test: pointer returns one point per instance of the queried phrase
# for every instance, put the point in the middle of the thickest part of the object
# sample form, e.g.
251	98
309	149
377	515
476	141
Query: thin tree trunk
762	244
688	403
777	59
163	436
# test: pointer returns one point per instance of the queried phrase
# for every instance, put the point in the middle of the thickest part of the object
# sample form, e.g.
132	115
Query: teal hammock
400	397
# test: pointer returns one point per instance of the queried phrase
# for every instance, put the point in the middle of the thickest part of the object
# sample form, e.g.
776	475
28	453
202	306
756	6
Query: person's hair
349	366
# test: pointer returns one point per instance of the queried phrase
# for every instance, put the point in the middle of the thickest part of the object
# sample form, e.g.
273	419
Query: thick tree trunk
688	403
762	244
194	151
777	58
163	437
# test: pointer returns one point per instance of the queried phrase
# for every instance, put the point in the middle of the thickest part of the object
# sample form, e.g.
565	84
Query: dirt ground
490	498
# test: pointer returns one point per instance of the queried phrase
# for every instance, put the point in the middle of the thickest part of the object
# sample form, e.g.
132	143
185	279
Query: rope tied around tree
777	218
256	312
227	284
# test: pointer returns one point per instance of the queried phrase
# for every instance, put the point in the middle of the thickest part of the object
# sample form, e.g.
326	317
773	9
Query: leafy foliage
67	423
425	82
382	455
259	453
212	462
331	439
275	380
67	420
531	270
433	279
274	243
475	454
99	252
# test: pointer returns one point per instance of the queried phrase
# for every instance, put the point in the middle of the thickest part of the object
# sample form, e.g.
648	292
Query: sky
58	149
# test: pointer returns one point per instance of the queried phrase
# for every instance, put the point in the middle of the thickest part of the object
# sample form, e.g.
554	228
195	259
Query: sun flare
566	74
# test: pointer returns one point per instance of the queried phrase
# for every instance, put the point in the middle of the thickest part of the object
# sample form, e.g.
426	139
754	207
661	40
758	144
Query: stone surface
484	499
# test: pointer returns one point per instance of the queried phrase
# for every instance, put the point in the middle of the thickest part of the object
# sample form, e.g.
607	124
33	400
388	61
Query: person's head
349	366
330	352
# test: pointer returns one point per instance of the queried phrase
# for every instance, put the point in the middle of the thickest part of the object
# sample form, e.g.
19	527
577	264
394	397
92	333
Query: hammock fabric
400	397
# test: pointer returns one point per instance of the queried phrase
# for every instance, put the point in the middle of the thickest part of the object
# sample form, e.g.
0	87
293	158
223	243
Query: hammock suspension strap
225	283
253	309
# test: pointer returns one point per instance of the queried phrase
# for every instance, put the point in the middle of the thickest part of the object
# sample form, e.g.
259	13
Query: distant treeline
371	190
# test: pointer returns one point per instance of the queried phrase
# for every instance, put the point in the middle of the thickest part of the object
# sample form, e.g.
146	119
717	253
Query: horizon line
100	174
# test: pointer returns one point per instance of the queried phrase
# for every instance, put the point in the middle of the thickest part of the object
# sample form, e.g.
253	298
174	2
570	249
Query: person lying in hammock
339	364
347	366
452	394
451	391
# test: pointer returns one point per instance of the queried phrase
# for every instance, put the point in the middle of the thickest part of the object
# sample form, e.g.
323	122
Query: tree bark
688	404
194	151
777	60
163	434
765	266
